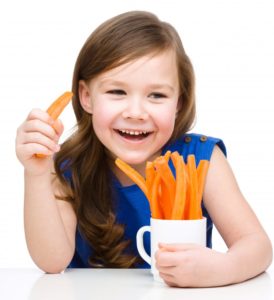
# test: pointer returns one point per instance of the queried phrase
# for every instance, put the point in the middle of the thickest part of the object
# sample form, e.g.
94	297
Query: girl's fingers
169	279
165	259
41	115
38	138
32	148
37	125
177	247
165	270
170	255
58	127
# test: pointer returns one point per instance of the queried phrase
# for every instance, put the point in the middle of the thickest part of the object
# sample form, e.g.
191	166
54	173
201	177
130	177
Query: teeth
132	132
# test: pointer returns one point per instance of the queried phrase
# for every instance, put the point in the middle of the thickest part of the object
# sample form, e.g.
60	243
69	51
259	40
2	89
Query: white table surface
32	284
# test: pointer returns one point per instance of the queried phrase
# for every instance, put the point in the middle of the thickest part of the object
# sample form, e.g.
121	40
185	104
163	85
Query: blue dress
132	208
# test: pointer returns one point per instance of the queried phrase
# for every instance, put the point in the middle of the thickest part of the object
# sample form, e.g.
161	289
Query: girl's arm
249	248
49	224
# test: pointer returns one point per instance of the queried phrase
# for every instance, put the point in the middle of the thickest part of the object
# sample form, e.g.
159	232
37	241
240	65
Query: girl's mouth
133	135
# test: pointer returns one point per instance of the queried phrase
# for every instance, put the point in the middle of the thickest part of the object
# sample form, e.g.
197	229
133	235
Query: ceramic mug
170	231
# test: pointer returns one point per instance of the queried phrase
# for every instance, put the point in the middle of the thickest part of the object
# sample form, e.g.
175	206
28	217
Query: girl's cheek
164	118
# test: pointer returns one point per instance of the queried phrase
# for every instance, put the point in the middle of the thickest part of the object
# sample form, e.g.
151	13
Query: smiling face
134	106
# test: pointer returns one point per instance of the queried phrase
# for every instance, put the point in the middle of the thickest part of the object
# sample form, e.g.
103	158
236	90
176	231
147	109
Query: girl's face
134	106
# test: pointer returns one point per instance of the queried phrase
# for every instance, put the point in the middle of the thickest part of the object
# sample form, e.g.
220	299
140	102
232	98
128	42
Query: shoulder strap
200	145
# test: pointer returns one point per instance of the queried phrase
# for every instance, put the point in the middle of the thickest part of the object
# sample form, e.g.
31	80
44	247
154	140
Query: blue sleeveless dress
132	207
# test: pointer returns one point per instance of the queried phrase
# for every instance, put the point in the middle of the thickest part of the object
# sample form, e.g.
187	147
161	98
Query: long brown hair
119	40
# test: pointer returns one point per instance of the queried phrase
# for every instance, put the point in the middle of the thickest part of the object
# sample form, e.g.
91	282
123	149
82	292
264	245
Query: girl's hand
39	133
189	265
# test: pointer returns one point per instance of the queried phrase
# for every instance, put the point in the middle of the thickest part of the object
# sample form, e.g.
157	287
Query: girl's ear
85	97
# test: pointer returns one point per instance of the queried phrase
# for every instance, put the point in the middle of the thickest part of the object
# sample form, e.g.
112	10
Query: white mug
170	231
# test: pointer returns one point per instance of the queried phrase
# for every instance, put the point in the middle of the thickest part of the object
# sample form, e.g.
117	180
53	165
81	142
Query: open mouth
133	134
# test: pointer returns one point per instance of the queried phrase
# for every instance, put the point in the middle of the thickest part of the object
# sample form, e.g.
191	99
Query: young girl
133	98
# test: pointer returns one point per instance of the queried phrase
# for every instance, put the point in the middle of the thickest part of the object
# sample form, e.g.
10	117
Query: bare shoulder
220	177
225	202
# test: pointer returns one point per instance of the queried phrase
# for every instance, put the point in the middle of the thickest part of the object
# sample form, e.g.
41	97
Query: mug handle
140	243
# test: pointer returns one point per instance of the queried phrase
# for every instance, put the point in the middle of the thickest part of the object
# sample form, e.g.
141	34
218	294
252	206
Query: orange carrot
155	204
201	174
59	104
163	192
180	195
194	205
163	196
168	183
167	155
132	174
171	198
56	108
150	174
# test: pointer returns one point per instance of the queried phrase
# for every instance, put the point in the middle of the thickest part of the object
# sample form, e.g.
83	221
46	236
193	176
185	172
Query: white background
231	46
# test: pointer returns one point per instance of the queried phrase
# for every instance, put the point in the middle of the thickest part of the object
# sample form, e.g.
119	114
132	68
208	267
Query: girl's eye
157	95
116	92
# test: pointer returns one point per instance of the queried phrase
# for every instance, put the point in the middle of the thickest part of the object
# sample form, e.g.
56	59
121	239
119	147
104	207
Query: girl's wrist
37	175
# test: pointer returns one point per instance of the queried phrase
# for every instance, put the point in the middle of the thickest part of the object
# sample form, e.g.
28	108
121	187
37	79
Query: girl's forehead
161	65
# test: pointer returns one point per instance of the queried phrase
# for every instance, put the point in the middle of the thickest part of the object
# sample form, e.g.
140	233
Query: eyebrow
123	84
110	81
160	86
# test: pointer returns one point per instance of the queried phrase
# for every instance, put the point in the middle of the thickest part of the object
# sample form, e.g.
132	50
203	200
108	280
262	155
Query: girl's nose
135	110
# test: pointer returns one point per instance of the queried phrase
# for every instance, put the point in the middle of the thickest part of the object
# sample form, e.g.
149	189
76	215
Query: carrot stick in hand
56	108
59	104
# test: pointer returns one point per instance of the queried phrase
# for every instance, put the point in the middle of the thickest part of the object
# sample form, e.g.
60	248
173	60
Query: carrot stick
150	175
180	194
174	157
132	174
59	104
201	174
163	195
194	205
168	183
167	155
155	204
56	108
171	198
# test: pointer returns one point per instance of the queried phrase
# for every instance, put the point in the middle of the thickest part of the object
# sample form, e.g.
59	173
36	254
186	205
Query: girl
133	98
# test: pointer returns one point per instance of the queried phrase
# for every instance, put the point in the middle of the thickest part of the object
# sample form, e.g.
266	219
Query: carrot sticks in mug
171	197
56	108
